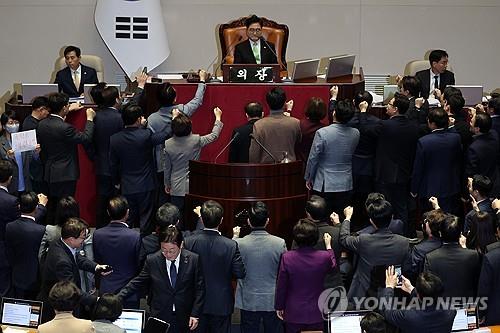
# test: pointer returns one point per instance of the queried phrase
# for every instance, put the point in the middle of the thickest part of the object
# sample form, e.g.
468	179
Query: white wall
385	34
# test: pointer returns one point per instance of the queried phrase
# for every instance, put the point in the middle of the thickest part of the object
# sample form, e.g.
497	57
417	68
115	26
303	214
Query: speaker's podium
236	185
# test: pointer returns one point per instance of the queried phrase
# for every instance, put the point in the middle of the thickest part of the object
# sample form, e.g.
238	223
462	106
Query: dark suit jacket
243	53
131	159
382	248
395	152
437	168
22	242
419	116
221	261
396	227
9	211
118	246
414	264
488	285
300	283
60	265
451	261
188	294
482	158
428	320
30	123
65	80
58	141
108	121
424	76
238	150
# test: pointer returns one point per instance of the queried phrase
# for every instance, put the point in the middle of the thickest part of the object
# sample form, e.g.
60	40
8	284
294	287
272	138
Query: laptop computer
87	98
346	321
473	95
340	66
132	321
32	90
305	69
25	314
467	318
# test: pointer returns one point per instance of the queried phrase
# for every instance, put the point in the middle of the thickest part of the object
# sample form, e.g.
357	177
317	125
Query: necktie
256	52
173	273
436	84
76	80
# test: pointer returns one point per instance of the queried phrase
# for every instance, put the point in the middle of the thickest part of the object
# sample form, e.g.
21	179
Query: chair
416	65
88	60
273	32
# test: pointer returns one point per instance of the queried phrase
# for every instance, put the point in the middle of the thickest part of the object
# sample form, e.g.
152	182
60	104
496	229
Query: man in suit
482	155
64	297
453	103
261	253
419	107
379	249
317	211
132	166
239	148
479	187
431	226
255	50
437	167
277	132
396	145
63	261
488	280
160	121
451	261
118	246
22	242
329	166
436	77
72	78
59	154
396	226
174	281
221	261
427	317
9	211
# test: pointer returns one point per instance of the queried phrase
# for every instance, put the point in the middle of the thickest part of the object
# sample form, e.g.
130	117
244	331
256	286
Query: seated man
436	77
72	78
255	50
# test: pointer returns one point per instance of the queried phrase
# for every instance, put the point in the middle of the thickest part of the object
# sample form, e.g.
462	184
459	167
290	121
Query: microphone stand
213	78
236	134
285	79
264	148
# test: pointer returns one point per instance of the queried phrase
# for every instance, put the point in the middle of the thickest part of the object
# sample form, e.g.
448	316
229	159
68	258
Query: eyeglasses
254	31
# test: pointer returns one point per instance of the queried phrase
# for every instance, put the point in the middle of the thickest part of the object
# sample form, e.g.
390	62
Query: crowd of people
368	178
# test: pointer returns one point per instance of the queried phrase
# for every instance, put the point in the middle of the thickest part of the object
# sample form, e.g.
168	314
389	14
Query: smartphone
145	70
397	270
155	325
108	268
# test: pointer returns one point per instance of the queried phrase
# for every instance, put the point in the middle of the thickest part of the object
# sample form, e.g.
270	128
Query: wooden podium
235	186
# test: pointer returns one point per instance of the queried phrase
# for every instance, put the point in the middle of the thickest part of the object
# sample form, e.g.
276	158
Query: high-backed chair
416	65
88	60
230	33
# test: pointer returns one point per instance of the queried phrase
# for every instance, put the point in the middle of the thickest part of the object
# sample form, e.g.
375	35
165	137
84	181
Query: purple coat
300	282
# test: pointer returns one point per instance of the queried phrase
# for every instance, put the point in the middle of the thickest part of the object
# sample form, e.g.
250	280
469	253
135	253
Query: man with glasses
64	260
255	50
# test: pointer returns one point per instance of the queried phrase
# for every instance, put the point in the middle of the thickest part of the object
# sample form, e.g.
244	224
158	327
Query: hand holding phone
397	270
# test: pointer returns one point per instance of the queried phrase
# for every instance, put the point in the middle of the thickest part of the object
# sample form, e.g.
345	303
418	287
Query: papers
170	76
433	101
24	141
377	99
14	330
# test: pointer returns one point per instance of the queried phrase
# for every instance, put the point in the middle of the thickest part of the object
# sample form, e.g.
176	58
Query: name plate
251	73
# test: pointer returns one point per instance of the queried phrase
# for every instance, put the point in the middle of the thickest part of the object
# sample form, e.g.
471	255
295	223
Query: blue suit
64	79
437	168
118	246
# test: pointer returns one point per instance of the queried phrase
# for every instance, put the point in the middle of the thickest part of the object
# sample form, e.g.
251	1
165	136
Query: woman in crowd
315	112
107	310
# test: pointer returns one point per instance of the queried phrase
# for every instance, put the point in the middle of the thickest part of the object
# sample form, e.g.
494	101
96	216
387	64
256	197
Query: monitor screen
305	69
20	312
131	321
32	90
346	322
466	318
340	66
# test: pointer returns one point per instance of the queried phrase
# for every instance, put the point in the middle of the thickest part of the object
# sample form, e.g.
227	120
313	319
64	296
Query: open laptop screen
132	321
32	90
345	322
20	312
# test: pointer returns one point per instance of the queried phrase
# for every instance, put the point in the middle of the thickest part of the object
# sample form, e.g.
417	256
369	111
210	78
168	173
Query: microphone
285	79
236	134
264	148
214	76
